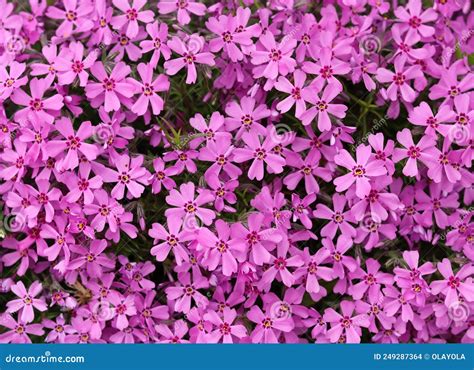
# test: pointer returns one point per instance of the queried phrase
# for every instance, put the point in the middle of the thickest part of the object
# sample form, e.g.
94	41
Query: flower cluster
236	171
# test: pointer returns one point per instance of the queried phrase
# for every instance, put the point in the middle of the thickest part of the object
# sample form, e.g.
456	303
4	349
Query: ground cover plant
285	171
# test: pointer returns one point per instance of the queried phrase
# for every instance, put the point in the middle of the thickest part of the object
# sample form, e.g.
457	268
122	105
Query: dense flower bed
236	171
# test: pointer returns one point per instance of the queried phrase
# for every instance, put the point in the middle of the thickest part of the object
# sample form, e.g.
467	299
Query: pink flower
223	326
75	66
132	14
111	90
19	330
361	171
339	219
421	151
261	153
159	35
345	328
412	19
74	17
245	116
322	107
26	301
123	307
256	240
274	59
312	269
232	32
74	142
38	108
174	239
295	90
185	292
129	175
189	58
184	7
10	81
326	69
220	249
268	328
189	206
399	79
279	267
454	286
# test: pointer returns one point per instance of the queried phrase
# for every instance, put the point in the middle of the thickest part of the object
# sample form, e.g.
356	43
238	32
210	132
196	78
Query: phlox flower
295	90
345	327
224	328
231	34
74	65
162	176
174	239
189	58
131	15
159	36
312	270
338	218
74	17
413	20
414	152
268	328
187	291
361	170
260	152
189	207
111	90
37	107
275	59
454	286
74	142
19	330
11	80
246	116
183	8
220	249
400	79
322	107
92	259
27	301
279	267
129	175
